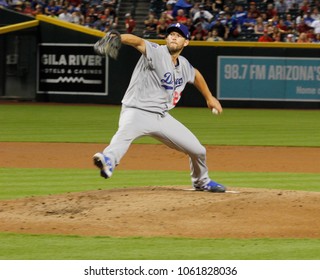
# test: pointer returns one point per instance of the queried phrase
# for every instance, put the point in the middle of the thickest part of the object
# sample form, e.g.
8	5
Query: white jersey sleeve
156	84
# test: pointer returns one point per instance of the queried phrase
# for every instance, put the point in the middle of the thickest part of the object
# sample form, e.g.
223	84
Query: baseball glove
109	45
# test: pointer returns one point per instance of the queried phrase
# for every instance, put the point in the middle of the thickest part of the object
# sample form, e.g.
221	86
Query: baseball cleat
104	164
212	186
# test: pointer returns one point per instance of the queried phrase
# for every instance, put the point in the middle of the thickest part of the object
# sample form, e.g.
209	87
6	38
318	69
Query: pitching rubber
192	189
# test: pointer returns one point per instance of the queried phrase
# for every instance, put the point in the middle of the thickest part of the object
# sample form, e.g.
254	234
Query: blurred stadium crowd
208	20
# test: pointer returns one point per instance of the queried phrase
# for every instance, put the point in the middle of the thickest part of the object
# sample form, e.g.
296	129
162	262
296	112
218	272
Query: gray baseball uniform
155	88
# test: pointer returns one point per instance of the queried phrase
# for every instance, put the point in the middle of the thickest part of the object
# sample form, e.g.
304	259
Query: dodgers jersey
156	84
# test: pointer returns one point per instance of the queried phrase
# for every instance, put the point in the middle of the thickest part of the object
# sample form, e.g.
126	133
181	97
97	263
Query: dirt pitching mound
167	211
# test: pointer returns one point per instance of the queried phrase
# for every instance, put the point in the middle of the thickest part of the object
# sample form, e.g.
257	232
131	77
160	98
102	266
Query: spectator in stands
292	5
213	36
311	35
111	17
84	7
59	3
199	34
290	38
167	18
264	17
207	12
217	6
276	33
171	2
199	37
102	23
228	8
27	10
169	11
115	18
34	4
71	8
202	13
17	6
65	15
281	6
315	15
88	21
91	12
265	37
271	11
181	4
208	6
53	15
283	28
190	25
231	25
240	14
307	18
216	24
260	26
288	21
222	14
76	3
12	3
316	40
301	15
316	26
4	4
254	10
181	16
150	24
303	27
249	23
109	3
303	38
277	38
38	10
51	8
77	17
162	29
194	9
157	6
205	24
292	29
130	23
275	20
305	7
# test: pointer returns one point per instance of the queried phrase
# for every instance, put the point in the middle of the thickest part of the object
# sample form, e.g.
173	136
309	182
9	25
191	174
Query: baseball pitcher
156	85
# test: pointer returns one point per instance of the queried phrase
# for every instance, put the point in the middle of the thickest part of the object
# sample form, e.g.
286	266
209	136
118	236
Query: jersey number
176	98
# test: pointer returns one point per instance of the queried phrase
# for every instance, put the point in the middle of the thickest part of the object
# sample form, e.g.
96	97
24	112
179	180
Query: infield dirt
166	210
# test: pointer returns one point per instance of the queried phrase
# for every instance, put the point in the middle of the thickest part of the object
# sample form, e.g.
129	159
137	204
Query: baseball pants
135	123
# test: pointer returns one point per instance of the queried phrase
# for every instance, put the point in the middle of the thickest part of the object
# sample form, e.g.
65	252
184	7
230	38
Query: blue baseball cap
180	28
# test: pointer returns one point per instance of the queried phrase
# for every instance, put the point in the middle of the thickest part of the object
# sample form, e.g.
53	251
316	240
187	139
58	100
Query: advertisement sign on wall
71	69
268	78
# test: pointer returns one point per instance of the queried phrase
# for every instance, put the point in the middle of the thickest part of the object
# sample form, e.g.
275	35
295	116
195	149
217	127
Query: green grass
52	247
97	124
54	123
257	127
17	183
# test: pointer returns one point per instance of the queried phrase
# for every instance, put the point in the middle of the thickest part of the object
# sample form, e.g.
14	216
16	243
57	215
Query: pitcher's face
176	42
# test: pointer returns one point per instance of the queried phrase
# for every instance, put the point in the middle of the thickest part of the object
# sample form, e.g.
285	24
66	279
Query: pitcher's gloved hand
109	45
